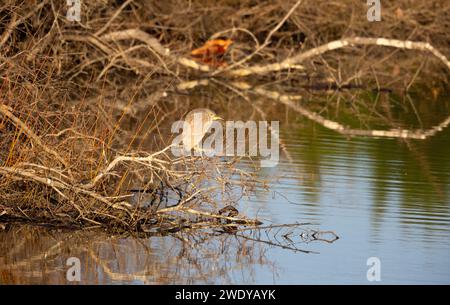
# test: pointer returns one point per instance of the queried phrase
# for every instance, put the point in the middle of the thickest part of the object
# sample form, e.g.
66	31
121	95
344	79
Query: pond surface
384	198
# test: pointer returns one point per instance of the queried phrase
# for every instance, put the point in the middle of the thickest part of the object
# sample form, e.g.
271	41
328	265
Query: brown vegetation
83	105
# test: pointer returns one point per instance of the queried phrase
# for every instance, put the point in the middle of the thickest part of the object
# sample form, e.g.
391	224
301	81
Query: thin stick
15	22
154	44
58	185
117	13
212	215
148	160
30	133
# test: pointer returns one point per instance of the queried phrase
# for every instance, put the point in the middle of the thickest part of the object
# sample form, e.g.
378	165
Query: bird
199	121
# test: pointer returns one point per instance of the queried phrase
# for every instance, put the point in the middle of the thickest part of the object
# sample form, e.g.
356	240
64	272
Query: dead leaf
212	51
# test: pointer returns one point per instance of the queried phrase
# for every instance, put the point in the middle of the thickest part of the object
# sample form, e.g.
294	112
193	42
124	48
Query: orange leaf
211	52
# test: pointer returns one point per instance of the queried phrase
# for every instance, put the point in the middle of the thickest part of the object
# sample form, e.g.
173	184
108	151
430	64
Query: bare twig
265	43
15	22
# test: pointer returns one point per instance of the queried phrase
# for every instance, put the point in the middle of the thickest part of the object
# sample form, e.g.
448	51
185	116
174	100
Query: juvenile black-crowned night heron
199	121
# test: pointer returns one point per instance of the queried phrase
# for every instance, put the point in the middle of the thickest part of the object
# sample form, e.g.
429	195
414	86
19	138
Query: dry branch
60	186
289	63
265	43
154	45
6	111
293	61
15	22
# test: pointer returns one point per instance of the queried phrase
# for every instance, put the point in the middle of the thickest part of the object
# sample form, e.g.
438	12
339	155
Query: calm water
385	198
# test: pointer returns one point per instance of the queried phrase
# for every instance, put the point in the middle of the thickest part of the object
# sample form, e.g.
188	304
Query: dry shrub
74	102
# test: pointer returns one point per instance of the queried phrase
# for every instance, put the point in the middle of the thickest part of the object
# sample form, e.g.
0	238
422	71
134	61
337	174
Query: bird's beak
217	118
